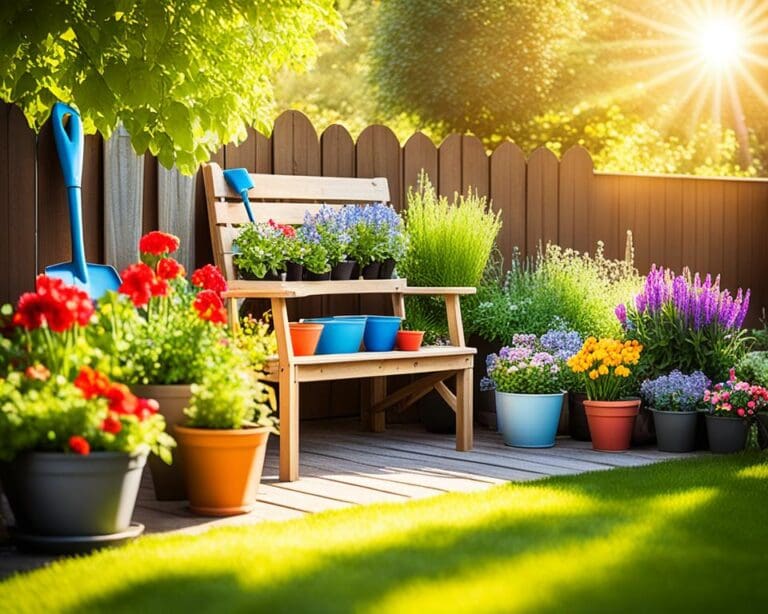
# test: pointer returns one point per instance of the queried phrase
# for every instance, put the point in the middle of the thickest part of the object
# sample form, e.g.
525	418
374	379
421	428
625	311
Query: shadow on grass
670	536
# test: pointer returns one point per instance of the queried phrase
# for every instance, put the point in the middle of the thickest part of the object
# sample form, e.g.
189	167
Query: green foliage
559	289
450	44
42	416
314	257
449	243
183	76
230	395
753	368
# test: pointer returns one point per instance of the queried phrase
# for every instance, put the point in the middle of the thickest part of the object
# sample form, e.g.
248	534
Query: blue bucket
340	335
381	333
528	420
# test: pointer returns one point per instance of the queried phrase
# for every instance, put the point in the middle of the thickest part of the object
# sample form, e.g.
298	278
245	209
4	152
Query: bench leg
289	426
377	421
464	410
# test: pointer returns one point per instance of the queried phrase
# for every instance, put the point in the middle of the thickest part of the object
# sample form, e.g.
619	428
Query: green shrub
558	289
753	368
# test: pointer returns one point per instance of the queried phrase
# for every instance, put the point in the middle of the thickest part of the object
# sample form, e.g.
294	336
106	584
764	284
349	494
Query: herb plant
753	367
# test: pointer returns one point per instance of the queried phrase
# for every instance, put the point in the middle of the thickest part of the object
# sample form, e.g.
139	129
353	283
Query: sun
719	41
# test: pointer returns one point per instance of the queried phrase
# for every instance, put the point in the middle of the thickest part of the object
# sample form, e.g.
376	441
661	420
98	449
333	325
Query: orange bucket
304	337
222	468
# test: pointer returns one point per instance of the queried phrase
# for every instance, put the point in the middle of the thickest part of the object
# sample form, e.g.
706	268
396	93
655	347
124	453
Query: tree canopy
183	76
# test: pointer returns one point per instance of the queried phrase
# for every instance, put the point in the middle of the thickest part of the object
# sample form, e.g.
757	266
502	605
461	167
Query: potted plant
732	406
563	344
72	442
753	367
313	257
224	439
262	250
529	394
157	334
375	235
326	229
603	367
675	401
407	339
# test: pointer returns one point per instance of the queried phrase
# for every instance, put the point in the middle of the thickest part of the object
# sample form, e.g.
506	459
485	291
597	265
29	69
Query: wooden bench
285	198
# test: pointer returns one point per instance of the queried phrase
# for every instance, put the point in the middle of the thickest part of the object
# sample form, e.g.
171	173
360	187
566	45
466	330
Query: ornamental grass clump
524	368
676	392
686	323
604	367
557	288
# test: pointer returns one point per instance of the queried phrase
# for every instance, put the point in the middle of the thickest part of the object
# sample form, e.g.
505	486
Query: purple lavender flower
561	343
676	391
621	313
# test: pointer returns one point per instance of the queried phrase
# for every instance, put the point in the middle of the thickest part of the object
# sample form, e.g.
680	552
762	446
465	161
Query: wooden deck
342	466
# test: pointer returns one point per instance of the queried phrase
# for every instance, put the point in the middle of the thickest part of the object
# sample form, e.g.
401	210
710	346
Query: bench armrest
439	291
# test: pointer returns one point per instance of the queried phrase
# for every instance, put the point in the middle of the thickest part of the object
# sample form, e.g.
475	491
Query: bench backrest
282	198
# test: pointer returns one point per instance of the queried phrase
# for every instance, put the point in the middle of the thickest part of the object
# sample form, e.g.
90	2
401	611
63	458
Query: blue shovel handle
240	181
70	146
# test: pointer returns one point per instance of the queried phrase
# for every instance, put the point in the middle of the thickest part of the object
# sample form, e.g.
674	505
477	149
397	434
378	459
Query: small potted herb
376	234
326	228
675	401
314	257
529	393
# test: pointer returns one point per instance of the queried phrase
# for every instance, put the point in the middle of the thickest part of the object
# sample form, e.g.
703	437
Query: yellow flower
593	374
602	370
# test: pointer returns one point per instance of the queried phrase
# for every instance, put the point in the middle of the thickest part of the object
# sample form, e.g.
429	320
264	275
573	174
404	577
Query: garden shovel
240	181
95	279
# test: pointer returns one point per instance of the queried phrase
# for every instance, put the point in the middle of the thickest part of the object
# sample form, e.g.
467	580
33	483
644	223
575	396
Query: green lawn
679	536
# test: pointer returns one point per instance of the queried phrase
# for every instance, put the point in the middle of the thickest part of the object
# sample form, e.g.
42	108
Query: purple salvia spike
743	311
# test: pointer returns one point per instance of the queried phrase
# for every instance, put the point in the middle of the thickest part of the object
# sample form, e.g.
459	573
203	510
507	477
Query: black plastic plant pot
57	494
248	276
371	271
294	271
726	435
577	417
387	269
310	276
675	430
343	270
762	430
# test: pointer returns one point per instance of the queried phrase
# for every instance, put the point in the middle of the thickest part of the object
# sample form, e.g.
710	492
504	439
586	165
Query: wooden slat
429	351
575	195
265	289
284	213
123	195
542	206
419	154
176	211
508	188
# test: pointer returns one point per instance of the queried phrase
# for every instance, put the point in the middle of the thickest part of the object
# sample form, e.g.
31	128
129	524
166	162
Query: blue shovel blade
101	278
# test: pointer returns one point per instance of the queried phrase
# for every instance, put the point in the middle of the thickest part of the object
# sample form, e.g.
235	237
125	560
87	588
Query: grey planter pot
675	430
168	480
762	430
58	494
726	435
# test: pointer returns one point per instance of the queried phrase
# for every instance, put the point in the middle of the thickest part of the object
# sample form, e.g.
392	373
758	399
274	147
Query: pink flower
740	411
751	404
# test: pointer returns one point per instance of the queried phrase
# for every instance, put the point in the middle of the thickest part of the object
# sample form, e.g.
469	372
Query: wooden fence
711	225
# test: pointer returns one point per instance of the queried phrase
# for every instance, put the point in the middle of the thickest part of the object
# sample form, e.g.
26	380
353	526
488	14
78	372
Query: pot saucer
73	544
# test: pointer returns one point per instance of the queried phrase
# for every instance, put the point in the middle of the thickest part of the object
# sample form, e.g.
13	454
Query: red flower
140	283
286	229
38	372
111	424
54	304
158	243
209	307
91	382
121	399
79	445
147	408
209	278
168	268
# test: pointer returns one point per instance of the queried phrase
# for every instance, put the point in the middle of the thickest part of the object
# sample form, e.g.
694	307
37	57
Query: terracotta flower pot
409	340
168	480
611	423
222	468
304	337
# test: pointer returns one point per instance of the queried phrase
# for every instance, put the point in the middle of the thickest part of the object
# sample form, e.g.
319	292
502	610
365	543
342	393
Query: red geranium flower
168	268
121	399
111	424
54	304
79	445
91	382
147	408
209	307
209	278
158	243
140	283
286	229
